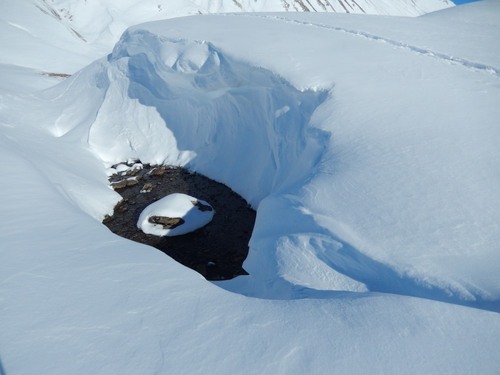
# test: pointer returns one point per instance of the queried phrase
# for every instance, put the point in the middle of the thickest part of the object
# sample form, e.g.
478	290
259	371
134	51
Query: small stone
147	187
158	171
166	222
122	209
121	206
202	207
119	184
132	181
134	169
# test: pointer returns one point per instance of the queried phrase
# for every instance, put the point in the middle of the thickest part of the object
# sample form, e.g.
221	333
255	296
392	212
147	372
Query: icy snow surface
368	145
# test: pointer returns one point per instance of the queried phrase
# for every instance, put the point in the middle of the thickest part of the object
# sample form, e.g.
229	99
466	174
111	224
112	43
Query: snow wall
187	104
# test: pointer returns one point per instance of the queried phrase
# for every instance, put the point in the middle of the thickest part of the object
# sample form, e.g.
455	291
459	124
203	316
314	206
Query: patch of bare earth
216	251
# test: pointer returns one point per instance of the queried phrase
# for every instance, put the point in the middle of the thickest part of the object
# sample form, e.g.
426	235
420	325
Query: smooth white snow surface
64	35
176	205
368	145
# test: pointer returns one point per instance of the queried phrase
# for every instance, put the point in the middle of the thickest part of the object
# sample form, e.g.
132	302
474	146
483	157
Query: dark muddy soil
216	251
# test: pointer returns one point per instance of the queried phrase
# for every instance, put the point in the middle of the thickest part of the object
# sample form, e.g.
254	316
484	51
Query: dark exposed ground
217	250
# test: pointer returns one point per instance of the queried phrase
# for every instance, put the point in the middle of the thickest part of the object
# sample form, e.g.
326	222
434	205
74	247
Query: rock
134	169
132	181
147	187
121	184
166	222
122	206
158	171
202	207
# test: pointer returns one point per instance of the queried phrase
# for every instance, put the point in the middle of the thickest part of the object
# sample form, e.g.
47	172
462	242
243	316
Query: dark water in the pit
216	251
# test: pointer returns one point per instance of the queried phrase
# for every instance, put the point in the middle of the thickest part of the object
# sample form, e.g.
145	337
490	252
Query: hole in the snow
217	250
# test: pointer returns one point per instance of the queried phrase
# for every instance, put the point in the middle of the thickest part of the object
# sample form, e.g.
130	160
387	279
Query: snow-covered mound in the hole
174	215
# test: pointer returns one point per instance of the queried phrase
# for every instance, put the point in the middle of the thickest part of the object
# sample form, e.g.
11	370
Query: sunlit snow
367	144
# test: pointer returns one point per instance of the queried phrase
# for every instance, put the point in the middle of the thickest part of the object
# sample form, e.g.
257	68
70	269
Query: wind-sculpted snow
186	103
368	145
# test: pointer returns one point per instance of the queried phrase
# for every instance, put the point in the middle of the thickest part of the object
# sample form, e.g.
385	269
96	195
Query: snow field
372	166
79	32
413	197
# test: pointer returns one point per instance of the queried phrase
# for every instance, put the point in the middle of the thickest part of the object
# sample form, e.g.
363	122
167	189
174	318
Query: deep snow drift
368	146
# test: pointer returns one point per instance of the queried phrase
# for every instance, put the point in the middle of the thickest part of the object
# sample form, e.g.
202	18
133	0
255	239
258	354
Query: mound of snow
174	215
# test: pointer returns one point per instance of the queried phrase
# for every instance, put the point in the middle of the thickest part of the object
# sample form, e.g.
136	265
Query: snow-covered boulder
174	215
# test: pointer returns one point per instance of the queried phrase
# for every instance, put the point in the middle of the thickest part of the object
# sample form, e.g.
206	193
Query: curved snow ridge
381	277
301	258
187	103
471	65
